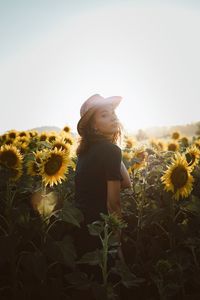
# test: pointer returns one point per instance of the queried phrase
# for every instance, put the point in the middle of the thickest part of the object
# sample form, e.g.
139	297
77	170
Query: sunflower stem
194	257
5	221
140	206
105	255
172	219
3	230
162	228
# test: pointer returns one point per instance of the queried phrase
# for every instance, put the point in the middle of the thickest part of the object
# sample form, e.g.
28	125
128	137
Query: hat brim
114	101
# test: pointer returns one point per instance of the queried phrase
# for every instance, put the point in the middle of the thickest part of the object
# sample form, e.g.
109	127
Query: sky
56	54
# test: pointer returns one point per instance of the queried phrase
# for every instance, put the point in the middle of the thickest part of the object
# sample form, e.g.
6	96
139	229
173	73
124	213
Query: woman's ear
94	127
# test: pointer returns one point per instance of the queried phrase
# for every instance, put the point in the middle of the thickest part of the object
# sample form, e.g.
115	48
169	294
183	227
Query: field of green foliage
160	225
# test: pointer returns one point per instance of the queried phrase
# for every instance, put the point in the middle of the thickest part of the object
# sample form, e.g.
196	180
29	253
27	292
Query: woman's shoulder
107	146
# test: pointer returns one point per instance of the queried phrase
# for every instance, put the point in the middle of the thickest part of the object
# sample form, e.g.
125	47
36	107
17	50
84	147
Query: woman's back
100	163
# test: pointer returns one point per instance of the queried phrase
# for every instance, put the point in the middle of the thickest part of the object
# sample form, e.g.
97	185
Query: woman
100	172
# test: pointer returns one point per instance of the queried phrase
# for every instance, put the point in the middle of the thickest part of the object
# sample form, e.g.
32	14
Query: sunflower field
38	221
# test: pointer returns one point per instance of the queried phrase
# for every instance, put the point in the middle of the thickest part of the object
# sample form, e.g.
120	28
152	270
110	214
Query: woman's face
105	120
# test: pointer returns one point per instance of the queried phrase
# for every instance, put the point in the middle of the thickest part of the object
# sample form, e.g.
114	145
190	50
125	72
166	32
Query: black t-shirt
100	163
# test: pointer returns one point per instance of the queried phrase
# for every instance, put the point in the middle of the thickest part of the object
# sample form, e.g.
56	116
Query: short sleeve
112	162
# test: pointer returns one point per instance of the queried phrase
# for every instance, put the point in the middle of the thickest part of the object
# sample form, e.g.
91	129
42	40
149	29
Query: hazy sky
55	54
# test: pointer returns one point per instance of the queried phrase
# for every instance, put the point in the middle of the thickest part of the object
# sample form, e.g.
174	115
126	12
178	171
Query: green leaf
127	277
113	241
96	228
71	214
138	188
92	258
44	144
39	266
53	251
7	248
68	250
35	263
193	206
78	279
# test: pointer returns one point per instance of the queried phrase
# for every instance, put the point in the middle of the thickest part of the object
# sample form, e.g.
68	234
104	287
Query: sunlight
139	52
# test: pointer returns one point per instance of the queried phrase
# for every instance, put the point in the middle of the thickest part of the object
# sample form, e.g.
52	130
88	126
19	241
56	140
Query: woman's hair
90	136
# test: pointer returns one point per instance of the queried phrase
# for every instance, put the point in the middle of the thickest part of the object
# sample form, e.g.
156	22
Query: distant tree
141	135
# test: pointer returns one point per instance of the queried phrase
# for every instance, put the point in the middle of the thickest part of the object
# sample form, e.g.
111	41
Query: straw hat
91	105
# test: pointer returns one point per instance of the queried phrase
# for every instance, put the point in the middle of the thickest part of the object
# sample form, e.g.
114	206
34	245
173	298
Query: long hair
90	136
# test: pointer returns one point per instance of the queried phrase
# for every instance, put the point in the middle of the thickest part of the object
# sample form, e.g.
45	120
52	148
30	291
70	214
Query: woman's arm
126	182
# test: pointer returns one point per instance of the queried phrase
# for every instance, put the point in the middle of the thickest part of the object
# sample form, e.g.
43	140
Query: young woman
100	172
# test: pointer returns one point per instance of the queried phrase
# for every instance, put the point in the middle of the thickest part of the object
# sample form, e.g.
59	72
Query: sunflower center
22	134
179	177
43	138
52	138
172	147
12	135
9	158
68	141
8	142
53	165
66	129
190	158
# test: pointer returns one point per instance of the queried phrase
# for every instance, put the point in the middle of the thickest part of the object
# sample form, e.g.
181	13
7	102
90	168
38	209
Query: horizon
152	128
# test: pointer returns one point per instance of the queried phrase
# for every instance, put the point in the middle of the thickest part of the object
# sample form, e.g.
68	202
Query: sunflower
1	141
52	137
33	166
192	155
11	159
177	178
197	144
22	142
10	156
55	166
157	145
175	135
66	129
126	155
4	138
23	134
138	159
129	142
12	134
33	133
60	144
161	145
43	136
15	173
68	139
9	142
173	146
184	141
